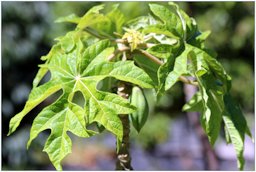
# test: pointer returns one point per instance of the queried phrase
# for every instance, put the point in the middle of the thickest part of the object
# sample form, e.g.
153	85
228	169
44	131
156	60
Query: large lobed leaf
104	24
215	103
73	68
177	28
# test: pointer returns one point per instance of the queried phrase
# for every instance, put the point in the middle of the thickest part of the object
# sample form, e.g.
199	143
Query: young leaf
117	18
169	18
92	17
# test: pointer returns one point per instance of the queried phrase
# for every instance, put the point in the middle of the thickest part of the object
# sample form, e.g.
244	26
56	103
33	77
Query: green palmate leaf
218	105
111	23
72	70
92	17
180	68
117	18
60	117
169	17
217	83
103	107
103	25
208	72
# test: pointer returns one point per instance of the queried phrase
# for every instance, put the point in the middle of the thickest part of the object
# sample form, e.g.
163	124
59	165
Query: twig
187	81
124	56
113	55
150	56
94	33
121	41
119	50
118	34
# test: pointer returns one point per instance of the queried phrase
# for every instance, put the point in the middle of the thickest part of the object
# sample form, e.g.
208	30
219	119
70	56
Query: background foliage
29	34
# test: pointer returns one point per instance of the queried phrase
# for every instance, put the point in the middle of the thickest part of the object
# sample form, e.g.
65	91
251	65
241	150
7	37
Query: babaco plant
110	60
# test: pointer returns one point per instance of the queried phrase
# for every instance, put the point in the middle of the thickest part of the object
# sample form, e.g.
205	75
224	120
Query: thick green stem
123	155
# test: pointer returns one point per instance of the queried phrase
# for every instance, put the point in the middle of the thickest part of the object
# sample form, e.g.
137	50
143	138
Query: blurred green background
28	32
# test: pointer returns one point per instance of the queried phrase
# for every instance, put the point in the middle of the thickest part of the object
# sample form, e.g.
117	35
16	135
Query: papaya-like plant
154	52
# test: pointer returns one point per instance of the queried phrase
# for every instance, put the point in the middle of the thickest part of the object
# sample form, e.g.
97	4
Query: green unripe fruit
139	117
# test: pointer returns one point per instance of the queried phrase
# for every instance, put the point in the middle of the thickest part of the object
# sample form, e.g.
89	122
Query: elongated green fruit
140	116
